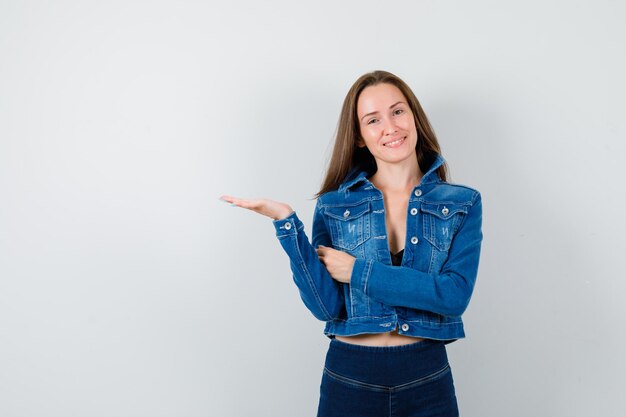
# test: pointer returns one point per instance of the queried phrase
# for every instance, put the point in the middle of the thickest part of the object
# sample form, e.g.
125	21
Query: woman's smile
396	143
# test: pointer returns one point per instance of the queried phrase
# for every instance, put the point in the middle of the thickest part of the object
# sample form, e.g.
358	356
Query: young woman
393	260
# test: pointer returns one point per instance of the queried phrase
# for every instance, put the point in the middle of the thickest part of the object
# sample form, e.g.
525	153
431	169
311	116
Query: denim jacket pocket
349	224
441	221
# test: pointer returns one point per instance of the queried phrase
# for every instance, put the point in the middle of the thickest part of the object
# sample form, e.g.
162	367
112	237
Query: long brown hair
347	155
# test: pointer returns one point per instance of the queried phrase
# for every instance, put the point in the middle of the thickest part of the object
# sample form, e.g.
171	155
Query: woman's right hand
264	206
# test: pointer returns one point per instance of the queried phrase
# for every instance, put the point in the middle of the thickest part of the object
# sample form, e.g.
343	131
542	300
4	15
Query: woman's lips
396	143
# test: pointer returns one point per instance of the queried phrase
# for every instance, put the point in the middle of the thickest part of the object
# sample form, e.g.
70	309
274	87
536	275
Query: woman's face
386	123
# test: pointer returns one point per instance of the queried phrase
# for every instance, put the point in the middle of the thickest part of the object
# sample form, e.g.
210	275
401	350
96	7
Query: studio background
128	289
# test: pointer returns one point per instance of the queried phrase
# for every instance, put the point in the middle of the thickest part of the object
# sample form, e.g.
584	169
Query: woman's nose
390	127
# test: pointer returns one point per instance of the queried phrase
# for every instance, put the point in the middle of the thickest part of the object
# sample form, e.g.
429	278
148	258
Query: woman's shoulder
343	197
330	198
460	186
457	192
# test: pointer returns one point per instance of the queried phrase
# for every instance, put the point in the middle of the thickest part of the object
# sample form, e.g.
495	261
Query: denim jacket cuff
288	225
360	274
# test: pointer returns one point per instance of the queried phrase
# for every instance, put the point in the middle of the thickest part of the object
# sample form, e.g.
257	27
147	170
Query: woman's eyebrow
374	112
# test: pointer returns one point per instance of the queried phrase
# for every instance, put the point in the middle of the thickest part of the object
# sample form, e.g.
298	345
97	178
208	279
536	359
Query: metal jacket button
287	225
414	211
414	240
405	327
445	211
346	213
418	193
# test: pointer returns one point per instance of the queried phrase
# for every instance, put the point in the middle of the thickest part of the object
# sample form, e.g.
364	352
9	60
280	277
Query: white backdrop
128	289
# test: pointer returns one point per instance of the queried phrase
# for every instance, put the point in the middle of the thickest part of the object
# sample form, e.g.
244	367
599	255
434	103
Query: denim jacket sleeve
321	294
446	292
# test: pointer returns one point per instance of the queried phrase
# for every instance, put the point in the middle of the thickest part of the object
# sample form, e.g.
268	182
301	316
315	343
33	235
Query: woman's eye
398	111
371	121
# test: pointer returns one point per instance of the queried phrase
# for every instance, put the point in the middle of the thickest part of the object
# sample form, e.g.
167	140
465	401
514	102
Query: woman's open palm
270	208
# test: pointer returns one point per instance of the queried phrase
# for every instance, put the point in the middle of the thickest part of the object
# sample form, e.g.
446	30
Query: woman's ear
359	142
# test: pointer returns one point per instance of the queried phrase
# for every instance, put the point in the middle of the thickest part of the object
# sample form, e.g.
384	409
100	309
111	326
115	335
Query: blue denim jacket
426	295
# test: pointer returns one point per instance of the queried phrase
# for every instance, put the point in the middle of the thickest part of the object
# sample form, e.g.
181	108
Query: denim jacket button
405	327
445	211
414	211
414	240
418	193
346	213
287	225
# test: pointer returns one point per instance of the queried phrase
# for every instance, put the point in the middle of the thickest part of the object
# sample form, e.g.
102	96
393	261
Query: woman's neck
397	177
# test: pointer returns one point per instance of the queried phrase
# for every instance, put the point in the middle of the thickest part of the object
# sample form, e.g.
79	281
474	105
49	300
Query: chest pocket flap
441	221
444	210
349	224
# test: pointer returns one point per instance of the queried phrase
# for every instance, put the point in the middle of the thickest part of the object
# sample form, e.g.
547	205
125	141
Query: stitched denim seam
423	380
356	383
351	301
325	205
434	322
433	259
366	274
466	203
382	388
366	319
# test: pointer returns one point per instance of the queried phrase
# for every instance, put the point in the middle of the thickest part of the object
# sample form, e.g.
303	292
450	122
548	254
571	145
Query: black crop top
396	259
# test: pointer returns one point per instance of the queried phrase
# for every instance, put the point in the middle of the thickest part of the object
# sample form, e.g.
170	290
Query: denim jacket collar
358	174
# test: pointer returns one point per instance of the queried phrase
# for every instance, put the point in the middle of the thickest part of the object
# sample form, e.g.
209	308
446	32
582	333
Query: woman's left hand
338	263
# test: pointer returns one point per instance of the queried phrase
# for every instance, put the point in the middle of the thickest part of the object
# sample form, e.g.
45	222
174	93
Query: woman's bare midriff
380	339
